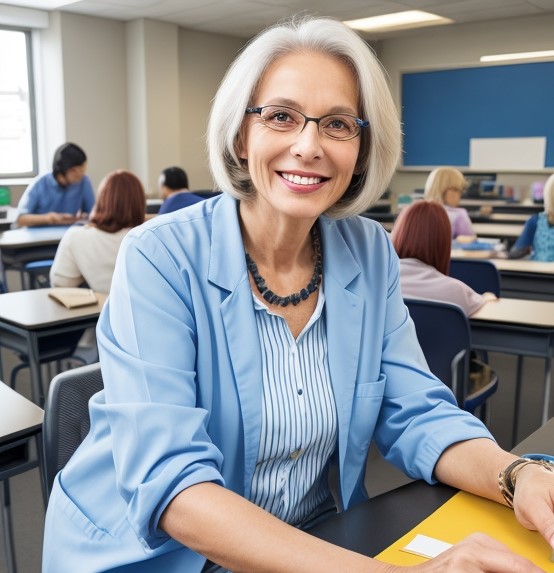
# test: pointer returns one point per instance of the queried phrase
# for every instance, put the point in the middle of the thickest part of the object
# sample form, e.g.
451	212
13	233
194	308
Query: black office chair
482	276
444	334
66	417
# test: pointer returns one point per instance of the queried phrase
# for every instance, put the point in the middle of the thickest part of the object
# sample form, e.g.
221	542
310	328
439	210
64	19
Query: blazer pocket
65	505
371	389
367	405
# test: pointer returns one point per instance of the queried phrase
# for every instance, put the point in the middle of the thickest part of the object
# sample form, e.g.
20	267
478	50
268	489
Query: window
18	155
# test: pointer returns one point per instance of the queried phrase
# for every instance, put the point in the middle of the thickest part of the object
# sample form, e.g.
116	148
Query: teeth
296	179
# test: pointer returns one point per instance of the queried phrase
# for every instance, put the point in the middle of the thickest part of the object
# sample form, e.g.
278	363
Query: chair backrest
444	334
66	416
482	276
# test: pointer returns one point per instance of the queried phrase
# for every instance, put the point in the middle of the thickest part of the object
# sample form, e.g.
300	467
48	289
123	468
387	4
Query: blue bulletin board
443	110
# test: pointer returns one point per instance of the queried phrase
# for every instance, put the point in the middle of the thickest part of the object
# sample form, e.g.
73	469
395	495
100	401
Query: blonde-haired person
537	237
253	341
445	185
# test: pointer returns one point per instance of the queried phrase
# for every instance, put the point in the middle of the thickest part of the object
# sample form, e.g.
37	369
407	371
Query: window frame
28	33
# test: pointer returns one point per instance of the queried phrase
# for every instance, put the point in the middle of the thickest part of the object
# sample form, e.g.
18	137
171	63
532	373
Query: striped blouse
299	419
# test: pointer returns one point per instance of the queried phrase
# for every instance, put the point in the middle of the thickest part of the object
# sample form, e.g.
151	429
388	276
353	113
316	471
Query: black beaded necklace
297	297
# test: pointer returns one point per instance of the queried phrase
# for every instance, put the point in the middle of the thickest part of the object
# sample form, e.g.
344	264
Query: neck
275	241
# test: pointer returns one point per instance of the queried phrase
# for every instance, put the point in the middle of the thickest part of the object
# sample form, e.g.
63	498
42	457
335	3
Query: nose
307	142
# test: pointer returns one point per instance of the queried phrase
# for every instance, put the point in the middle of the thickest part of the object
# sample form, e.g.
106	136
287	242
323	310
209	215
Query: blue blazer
181	364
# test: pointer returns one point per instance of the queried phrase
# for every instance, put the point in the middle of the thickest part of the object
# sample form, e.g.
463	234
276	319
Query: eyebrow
294	104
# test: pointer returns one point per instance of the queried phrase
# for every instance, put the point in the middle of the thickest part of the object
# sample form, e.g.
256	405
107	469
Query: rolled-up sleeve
419	417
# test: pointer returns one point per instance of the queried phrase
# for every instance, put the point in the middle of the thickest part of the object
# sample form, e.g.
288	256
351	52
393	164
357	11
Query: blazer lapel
344	311
227	270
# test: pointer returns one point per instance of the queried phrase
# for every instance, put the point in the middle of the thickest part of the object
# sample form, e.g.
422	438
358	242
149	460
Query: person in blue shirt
537	237
173	184
255	344
61	197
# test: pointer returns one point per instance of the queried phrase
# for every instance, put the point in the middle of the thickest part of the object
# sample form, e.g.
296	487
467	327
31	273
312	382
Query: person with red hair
87	253
422	239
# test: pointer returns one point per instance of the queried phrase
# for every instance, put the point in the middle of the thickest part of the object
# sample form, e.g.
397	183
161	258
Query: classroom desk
520	327
522	278
510	231
27	316
20	421
26	244
373	525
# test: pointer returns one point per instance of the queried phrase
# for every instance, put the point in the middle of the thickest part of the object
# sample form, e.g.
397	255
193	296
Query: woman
61	197
224	408
445	185
86	254
537	237
421	238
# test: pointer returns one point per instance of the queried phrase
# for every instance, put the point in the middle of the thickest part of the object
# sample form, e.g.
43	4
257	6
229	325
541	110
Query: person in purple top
173	184
62	196
445	185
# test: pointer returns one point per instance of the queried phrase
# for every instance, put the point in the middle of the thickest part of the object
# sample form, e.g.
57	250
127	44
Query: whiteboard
498	153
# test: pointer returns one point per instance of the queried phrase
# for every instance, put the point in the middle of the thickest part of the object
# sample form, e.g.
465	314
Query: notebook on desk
73	297
463	515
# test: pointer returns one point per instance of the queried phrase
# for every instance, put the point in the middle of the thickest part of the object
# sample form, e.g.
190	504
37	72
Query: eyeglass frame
361	123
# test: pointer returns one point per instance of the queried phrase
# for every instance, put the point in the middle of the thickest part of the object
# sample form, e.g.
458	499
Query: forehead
311	79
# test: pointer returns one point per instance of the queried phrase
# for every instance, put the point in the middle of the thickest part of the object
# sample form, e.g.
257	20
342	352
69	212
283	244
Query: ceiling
244	18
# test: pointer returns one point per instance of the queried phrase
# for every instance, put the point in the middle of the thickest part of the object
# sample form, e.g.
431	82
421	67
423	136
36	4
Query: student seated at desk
537	237
421	236
61	197
173	184
87	253
445	185
256	341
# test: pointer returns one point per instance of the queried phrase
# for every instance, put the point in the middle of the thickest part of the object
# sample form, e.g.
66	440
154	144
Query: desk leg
34	366
519	373
547	381
7	525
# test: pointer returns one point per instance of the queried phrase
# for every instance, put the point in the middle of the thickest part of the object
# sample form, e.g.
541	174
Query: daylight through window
17	149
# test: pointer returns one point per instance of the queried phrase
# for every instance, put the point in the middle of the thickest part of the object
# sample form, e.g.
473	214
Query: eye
336	123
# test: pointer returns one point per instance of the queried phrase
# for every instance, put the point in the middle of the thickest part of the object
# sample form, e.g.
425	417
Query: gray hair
441	179
379	146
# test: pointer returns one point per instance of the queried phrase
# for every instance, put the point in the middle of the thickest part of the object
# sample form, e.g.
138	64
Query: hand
60	218
488	296
477	553
534	500
466	238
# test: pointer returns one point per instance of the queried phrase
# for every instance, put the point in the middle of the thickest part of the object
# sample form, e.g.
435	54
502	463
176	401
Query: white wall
443	47
95	90
134	95
204	58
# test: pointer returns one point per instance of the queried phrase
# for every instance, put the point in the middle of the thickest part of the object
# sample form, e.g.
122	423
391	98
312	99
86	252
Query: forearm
474	466
33	219
240	536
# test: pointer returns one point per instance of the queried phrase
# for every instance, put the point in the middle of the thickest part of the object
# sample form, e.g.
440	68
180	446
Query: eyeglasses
340	126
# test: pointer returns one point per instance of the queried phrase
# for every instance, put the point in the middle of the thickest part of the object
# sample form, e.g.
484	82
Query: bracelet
507	477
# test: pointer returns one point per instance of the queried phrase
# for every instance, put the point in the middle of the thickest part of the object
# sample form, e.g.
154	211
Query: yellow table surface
465	514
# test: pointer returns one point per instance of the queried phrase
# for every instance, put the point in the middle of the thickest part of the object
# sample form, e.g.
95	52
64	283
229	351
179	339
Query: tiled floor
27	505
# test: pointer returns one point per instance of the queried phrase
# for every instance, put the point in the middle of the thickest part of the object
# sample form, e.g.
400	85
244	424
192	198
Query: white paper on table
426	546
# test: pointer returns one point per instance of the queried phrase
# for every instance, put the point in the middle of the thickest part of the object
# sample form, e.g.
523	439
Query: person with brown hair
87	253
61	197
421	238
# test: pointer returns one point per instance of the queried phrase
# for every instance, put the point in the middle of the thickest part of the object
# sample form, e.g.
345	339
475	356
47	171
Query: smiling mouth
298	180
